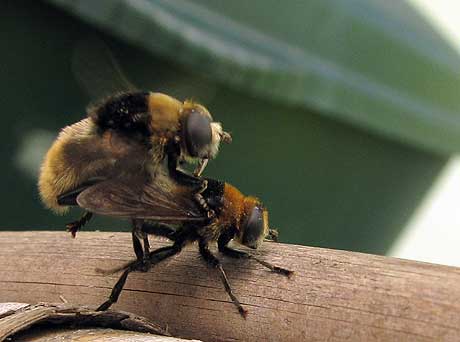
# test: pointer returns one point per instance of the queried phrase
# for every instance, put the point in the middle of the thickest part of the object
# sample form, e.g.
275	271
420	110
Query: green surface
375	64
326	182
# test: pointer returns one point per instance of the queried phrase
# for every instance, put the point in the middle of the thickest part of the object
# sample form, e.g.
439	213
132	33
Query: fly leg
183	178
200	167
154	258
143	229
215	263
74	227
69	198
223	241
202	202
273	235
199	185
160	229
141	252
138	250
233	253
146	245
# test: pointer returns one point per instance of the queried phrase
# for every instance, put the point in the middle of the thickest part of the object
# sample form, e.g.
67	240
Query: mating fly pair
123	161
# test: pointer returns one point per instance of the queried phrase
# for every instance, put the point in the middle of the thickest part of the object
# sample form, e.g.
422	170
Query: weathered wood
91	335
334	295
65	322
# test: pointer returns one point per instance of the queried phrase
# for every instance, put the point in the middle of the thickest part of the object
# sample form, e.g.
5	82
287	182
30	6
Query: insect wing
97	71
148	201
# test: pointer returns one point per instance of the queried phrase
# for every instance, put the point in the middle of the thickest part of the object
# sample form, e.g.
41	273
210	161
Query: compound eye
254	228
198	134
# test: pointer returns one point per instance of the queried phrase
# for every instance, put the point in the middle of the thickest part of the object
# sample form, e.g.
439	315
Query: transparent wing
97	71
150	201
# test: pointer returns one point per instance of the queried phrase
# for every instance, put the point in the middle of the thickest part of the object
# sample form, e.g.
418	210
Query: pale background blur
433	234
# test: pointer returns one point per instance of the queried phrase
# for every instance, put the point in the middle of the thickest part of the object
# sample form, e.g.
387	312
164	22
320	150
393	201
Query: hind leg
154	258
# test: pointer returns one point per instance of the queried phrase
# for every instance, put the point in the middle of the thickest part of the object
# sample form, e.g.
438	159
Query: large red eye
253	228
197	133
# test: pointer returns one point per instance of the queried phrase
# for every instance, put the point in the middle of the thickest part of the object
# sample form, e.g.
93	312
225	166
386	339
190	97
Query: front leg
183	178
215	263
200	167
225	238
196	183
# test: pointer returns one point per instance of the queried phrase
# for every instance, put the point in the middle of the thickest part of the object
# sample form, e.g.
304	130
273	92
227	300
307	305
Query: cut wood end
19	318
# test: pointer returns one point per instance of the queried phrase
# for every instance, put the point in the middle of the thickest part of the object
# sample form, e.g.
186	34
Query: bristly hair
214	194
123	111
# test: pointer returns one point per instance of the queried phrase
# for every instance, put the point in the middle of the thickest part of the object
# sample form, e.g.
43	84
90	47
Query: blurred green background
342	113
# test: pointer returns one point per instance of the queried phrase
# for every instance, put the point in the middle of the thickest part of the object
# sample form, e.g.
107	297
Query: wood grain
66	322
92	335
333	296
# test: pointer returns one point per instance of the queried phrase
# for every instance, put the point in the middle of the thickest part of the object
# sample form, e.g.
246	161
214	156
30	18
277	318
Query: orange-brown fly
166	208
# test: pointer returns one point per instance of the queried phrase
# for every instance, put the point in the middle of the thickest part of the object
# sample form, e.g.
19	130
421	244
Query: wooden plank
64	322
334	295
